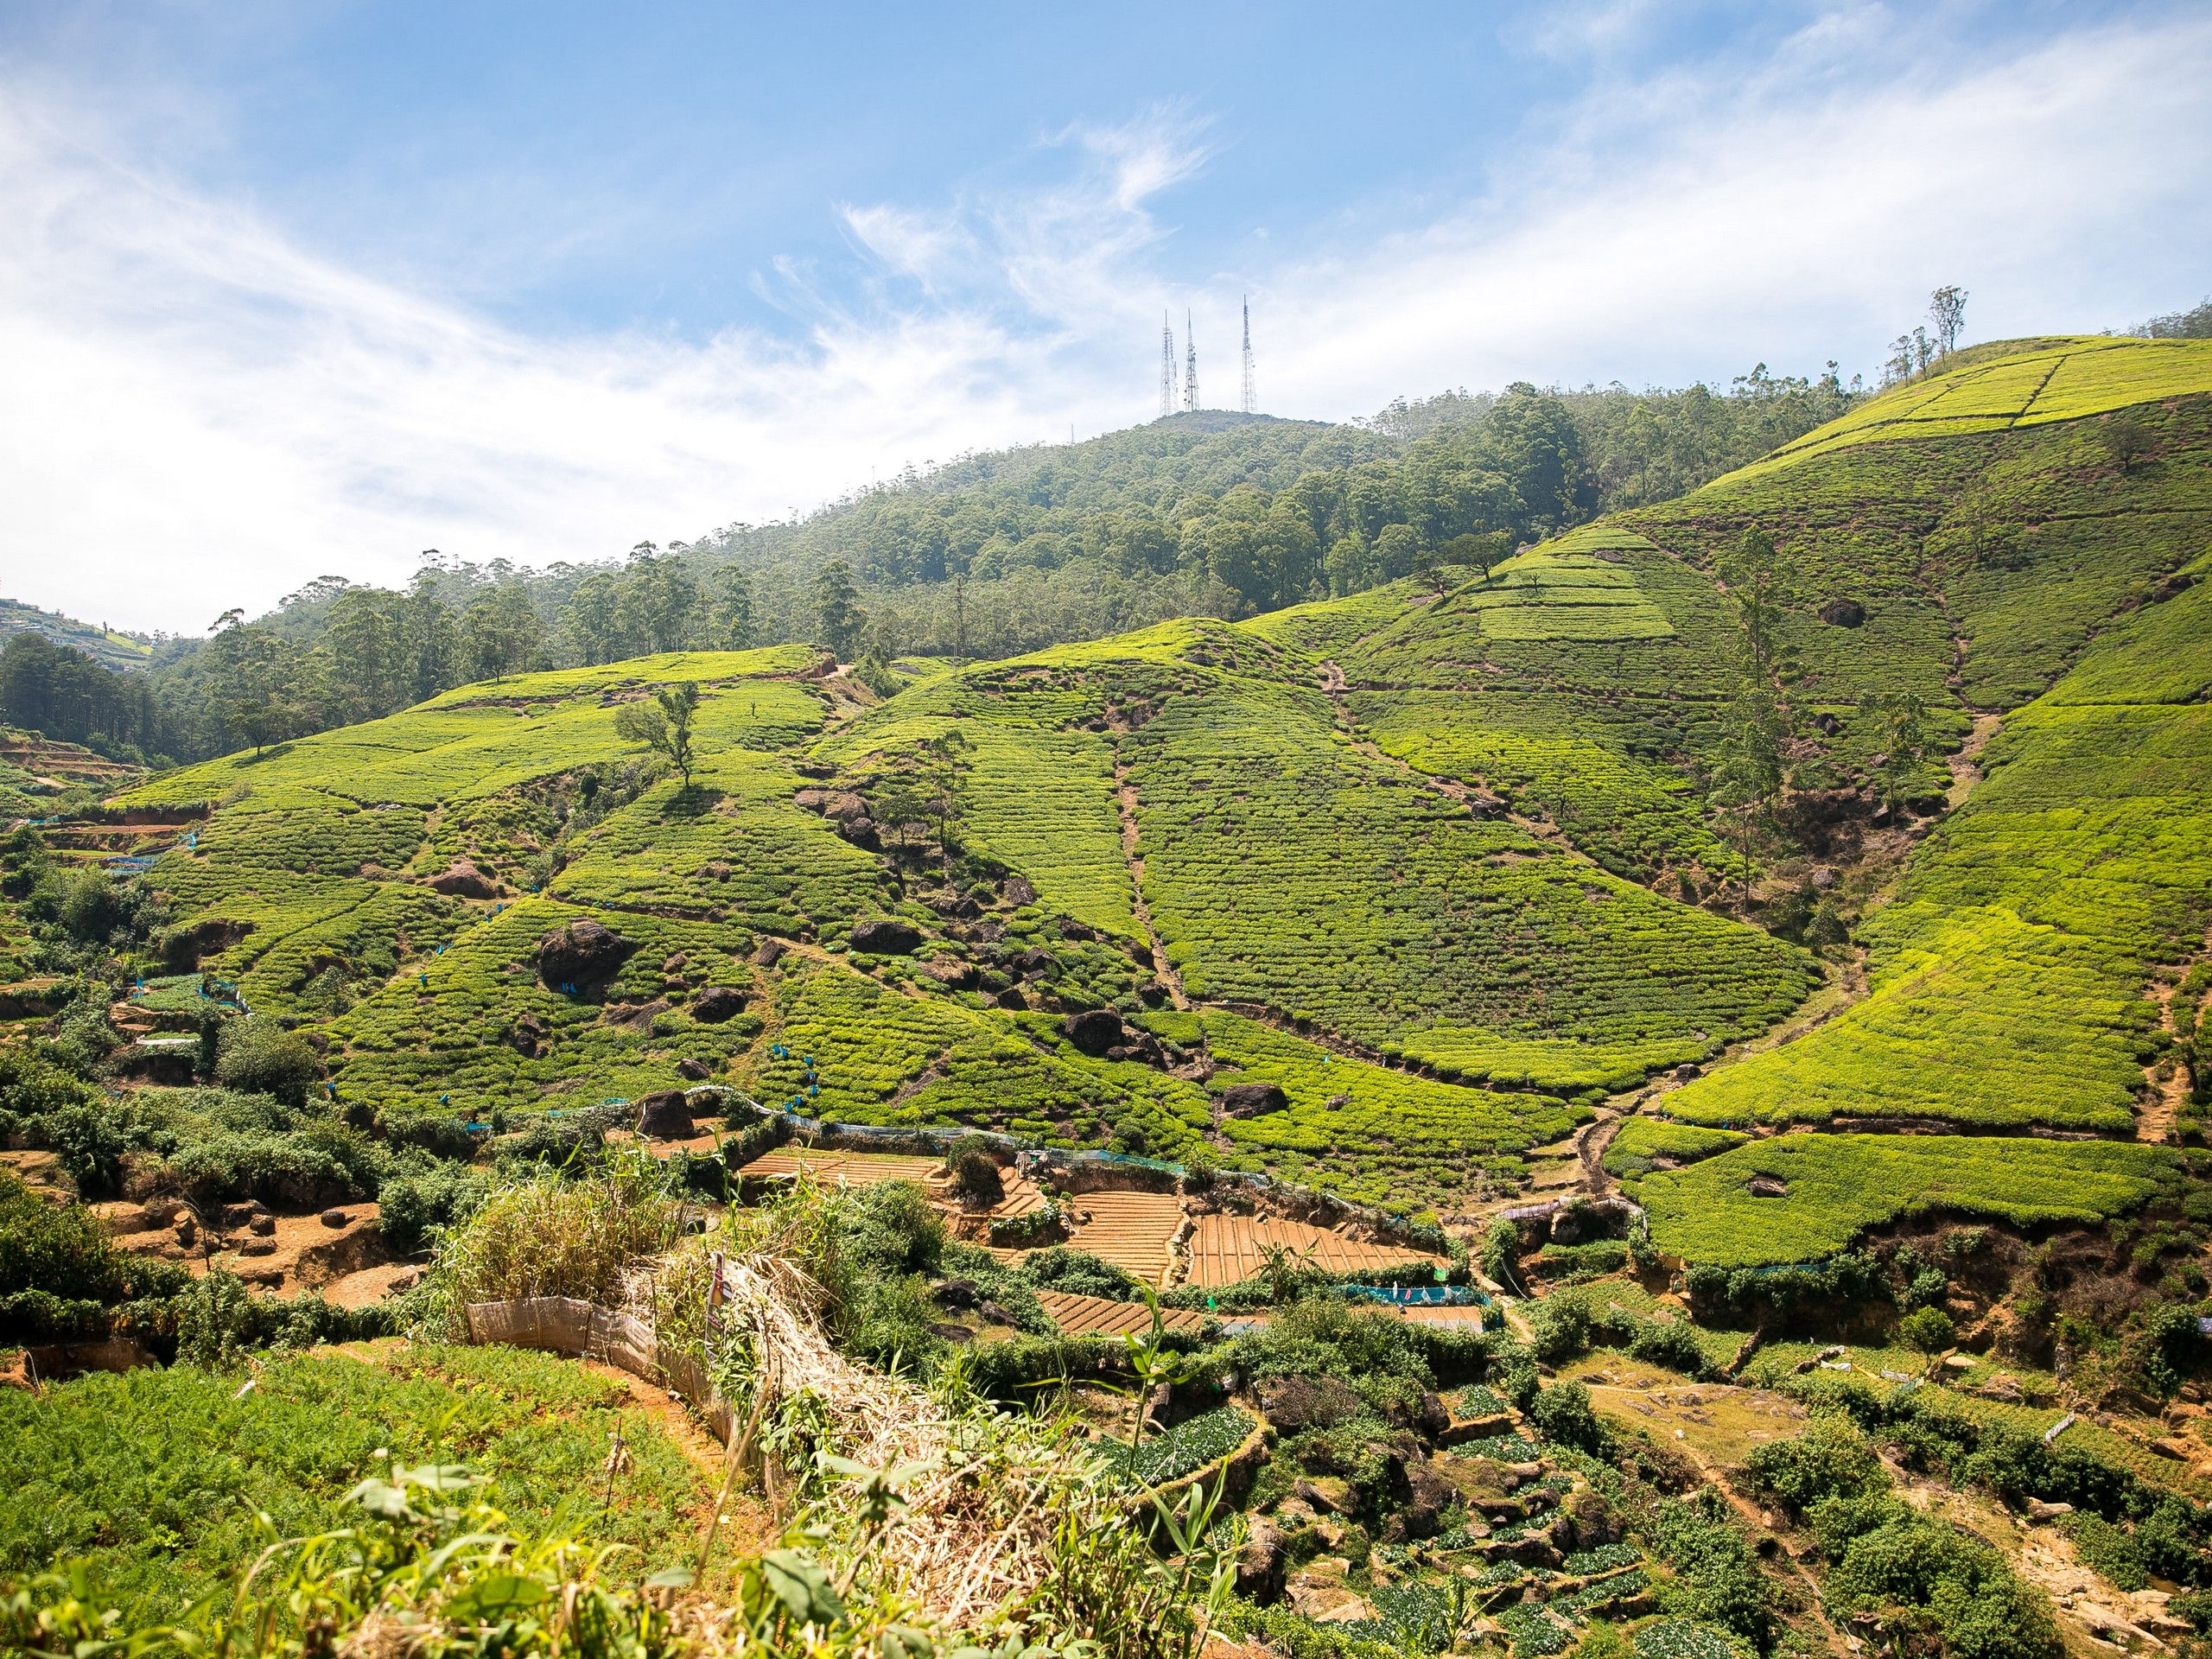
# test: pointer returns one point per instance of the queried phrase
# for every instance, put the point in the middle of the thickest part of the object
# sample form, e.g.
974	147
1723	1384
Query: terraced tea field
1819	1191
1287	848
2011	972
1283	867
2055	381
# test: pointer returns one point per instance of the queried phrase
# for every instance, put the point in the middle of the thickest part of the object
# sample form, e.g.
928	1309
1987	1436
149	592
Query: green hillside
1439	858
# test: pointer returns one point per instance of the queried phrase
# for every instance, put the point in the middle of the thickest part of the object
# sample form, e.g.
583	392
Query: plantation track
1125	802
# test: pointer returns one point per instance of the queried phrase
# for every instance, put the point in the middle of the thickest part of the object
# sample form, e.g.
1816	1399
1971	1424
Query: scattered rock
950	972
666	1115
462	880
693	1071
714	870
1319	1501
885	937
1260	1563
1686	1071
1253	1099
1071	929
1826	724
1768	1187
1822	878
331	1217
583	953
810	800
2039	1510
676	964
1337	1103
955	1294
1012	998
770	952
1843	613
1019	892
262	1225
529	1037
717	1003
1093	1032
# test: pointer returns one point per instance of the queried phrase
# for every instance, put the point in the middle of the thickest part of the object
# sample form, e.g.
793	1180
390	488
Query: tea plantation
2012	972
1438	860
1822	1191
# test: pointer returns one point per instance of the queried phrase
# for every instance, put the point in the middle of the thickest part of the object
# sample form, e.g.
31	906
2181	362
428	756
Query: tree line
988	556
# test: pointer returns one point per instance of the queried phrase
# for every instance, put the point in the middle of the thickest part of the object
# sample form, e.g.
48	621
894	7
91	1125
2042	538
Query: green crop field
154	1478
2055	381
2011	973
1838	1185
1641	1143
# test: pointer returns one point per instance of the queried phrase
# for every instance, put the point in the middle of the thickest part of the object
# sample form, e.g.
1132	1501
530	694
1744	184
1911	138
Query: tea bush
1837	1186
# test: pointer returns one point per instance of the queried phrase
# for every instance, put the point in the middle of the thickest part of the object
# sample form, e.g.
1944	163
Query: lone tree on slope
663	725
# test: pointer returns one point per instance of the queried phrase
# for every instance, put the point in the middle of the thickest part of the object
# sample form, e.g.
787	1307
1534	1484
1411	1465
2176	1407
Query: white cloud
201	412
1805	210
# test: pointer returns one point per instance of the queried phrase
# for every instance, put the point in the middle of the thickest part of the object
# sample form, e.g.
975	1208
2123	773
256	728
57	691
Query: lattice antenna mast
1166	368
1251	392
1190	364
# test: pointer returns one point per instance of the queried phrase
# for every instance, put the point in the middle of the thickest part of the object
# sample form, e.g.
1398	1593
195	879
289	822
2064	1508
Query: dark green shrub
1927	1330
1079	1273
410	1206
895	1230
322	1163
1562	1413
258	1055
1829	1460
974	1172
61	1250
1948	1583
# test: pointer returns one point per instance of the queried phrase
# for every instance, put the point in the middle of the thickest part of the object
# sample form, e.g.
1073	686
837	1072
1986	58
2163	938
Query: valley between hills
1645	1092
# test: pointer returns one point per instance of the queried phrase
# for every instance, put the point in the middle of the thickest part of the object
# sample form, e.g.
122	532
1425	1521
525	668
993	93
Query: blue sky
309	287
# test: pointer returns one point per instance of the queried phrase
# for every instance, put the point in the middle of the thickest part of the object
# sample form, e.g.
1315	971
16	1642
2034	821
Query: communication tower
1166	368
1191	365
1251	393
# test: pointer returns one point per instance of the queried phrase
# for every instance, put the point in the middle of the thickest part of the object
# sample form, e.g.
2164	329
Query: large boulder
1843	613
717	1003
664	1114
885	937
1260	1564
1093	1032
462	880
1252	1099
583	953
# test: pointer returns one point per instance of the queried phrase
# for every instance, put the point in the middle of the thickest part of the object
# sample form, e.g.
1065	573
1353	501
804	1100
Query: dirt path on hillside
1125	799
1965	766
1592	1142
2162	1107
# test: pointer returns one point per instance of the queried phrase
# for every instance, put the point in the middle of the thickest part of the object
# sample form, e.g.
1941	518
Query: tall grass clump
587	1237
